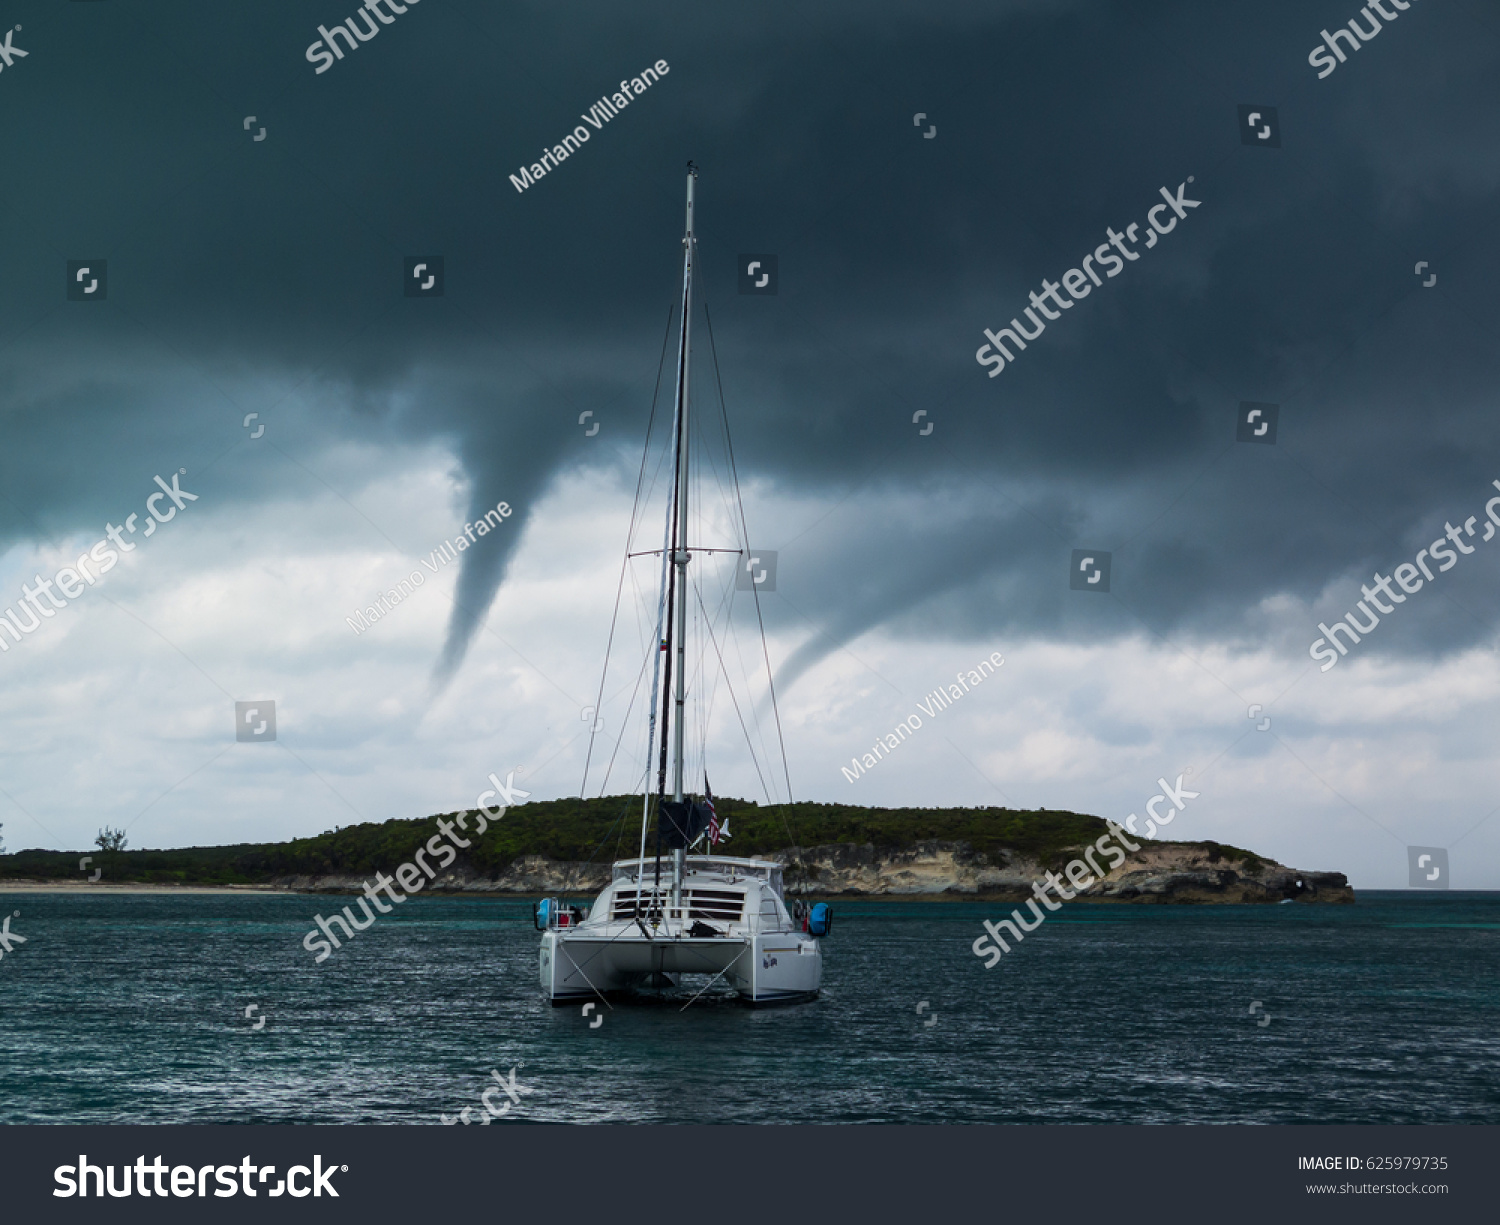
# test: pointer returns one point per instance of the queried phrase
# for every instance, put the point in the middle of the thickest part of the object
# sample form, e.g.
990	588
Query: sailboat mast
680	555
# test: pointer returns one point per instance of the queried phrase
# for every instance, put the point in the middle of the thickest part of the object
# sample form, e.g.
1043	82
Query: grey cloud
246	275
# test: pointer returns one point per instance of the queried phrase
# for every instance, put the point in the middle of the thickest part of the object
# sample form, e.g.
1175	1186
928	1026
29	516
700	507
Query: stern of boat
570	973
785	968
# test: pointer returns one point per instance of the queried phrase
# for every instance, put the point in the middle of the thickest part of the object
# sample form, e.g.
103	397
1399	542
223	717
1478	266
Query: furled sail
679	822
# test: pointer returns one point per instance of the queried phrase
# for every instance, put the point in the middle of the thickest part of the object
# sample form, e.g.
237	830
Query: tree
110	839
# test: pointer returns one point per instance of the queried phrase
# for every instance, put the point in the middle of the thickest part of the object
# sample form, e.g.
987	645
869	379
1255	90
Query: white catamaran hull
774	968
756	948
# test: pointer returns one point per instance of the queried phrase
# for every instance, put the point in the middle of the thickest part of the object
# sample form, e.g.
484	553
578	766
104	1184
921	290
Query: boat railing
704	864
550	914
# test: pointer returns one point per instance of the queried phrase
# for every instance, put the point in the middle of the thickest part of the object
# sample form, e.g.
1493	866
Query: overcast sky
265	276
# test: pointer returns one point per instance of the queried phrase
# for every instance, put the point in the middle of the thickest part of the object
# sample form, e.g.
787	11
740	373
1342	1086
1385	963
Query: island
566	847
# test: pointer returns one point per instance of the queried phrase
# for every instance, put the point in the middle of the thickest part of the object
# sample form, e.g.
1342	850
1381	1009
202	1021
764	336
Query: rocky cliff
1159	872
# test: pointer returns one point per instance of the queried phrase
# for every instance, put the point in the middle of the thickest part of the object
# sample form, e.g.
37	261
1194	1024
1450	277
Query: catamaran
665	918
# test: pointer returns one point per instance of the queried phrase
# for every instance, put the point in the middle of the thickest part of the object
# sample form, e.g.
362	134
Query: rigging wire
755	761
707	704
625	562
745	536
620	587
705	619
620	739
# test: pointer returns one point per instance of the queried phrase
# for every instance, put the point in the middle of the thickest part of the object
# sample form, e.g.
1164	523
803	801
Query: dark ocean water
131	1009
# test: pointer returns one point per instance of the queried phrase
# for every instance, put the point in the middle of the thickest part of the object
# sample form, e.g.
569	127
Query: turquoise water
131	1009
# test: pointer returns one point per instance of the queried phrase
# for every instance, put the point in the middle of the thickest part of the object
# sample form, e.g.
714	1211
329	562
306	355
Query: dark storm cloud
265	276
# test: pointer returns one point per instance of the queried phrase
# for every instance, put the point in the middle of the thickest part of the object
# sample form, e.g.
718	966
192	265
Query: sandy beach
74	886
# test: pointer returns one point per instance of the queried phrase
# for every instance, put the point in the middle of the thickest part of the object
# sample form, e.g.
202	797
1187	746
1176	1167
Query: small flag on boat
716	833
713	817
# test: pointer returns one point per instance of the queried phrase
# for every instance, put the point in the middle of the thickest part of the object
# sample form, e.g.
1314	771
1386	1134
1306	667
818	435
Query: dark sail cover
680	824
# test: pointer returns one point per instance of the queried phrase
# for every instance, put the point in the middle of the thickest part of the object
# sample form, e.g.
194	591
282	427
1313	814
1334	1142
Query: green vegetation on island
599	831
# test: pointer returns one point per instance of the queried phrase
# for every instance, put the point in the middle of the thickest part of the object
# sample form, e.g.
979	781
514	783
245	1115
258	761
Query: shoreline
143	887
77	886
1005	896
